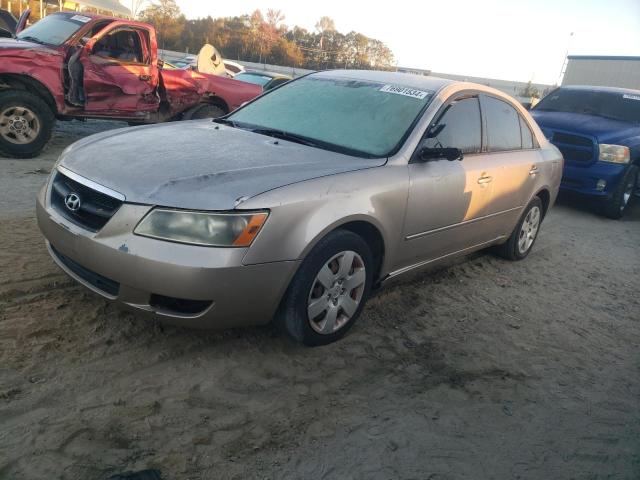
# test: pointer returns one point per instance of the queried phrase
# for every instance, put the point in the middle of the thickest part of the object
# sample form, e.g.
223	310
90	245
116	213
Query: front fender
303	213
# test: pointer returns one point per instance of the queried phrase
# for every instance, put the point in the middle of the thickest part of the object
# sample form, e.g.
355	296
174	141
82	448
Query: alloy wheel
529	230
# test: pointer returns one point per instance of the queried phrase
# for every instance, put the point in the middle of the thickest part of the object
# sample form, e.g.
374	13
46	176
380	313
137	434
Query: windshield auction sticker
631	97
407	92
80	18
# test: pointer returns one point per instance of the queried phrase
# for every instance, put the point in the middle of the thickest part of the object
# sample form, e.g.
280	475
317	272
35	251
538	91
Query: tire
307	290
204	110
617	205
36	122
513	249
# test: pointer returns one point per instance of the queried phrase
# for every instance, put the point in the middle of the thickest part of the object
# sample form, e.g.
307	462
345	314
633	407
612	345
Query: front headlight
202	228
614	153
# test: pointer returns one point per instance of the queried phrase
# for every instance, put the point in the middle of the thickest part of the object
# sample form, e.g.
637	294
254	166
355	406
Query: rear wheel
26	123
204	110
617	205
329	290
525	234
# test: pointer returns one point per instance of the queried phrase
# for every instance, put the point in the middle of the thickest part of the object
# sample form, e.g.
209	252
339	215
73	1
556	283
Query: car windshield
613	105
358	117
54	29
254	78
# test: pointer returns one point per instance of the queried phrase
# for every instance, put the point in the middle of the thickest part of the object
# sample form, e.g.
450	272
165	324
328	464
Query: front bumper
584	180
135	271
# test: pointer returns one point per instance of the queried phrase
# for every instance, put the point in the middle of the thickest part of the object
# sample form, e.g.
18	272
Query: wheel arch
29	84
217	101
545	197
363	226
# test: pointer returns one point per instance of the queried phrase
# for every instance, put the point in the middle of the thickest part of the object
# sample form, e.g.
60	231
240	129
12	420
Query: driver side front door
121	74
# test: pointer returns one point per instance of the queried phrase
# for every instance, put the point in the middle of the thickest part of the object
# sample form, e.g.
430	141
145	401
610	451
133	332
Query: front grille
98	281
95	208
575	148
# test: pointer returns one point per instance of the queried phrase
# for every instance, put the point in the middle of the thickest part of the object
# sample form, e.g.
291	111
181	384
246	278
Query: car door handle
484	179
534	170
144	78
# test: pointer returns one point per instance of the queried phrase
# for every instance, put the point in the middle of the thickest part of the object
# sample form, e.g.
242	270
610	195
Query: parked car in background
71	65
357	178
267	80
597	129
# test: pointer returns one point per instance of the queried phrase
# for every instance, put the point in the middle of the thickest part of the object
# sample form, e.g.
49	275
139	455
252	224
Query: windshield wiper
29	38
292	137
225	121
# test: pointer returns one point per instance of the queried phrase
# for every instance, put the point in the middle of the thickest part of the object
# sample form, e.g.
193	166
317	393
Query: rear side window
503	125
458	127
527	136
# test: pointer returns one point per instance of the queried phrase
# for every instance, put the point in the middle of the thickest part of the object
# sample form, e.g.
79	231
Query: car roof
595	88
407	79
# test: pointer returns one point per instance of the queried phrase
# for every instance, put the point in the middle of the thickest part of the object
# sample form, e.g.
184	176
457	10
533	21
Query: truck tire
204	110
26	123
622	196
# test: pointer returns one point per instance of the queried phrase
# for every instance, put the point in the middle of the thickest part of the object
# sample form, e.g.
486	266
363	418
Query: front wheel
525	234
617	205
26	123
329	290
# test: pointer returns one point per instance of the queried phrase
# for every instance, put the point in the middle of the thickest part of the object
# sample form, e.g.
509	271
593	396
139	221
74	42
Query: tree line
265	38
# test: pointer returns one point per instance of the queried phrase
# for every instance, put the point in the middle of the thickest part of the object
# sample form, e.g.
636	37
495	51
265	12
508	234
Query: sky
513	40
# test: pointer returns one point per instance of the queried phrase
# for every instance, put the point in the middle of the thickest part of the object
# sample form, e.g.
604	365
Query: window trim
462	95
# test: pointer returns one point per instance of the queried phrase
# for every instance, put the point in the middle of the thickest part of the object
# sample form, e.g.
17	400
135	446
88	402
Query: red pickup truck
77	66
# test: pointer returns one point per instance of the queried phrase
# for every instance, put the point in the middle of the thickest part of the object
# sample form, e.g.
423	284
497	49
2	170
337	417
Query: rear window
252	78
503	125
614	105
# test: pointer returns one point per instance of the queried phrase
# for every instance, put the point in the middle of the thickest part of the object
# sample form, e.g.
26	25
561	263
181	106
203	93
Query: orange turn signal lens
251	230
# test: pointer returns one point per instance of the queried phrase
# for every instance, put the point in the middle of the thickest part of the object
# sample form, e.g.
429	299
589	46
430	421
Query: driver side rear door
121	71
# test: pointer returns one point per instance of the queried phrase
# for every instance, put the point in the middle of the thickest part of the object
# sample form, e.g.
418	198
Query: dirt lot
483	370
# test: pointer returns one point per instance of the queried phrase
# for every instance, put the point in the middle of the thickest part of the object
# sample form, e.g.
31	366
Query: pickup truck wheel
204	110
525	234
623	194
329	290
26	123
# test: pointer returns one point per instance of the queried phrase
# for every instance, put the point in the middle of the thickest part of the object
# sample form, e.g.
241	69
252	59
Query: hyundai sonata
295	206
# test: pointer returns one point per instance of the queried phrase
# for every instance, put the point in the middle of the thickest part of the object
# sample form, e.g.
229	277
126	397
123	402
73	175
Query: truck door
121	70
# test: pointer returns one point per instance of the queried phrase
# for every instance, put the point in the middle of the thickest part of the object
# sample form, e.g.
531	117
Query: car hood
200	164
603	129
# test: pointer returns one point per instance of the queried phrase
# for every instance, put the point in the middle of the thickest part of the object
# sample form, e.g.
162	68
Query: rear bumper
584	180
142	273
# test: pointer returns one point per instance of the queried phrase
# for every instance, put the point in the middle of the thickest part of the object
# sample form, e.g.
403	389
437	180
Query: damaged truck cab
78	66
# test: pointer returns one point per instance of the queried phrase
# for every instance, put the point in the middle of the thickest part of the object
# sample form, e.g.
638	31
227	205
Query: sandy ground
482	370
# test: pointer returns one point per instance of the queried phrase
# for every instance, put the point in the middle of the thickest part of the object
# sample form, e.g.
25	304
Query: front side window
358	117
54	29
503	125
122	45
458	127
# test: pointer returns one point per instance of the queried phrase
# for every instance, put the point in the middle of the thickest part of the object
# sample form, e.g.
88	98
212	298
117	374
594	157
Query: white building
602	71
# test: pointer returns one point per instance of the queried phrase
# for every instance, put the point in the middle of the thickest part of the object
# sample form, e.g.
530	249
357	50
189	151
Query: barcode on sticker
631	97
80	18
407	92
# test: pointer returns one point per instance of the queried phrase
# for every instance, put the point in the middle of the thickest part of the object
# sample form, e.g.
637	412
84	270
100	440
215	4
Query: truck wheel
204	110
26	123
621	198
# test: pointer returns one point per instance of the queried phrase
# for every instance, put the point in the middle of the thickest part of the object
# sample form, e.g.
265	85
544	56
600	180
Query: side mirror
451	154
